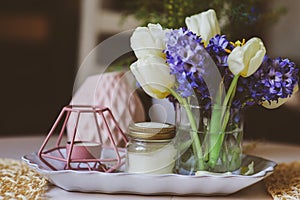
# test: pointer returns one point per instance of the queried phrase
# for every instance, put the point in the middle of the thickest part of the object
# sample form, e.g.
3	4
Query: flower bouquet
202	70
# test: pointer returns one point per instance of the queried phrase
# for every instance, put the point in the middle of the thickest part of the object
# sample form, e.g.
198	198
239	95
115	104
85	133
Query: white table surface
16	147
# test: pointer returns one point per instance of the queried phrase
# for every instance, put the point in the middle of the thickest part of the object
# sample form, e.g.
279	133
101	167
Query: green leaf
248	170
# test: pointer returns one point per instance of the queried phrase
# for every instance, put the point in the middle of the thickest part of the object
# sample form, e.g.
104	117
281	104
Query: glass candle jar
150	149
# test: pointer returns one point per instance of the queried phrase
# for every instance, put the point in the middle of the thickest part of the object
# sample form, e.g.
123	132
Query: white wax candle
160	161
82	150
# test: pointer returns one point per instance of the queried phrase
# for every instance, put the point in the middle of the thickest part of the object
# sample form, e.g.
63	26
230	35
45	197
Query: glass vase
208	139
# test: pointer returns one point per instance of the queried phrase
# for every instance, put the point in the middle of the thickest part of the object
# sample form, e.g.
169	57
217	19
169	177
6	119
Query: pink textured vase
114	91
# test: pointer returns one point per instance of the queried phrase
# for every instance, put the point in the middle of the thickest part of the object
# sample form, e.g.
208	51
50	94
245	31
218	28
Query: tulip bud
246	59
204	24
149	40
153	74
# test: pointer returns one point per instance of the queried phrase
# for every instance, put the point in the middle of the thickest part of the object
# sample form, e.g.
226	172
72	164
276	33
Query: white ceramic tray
147	184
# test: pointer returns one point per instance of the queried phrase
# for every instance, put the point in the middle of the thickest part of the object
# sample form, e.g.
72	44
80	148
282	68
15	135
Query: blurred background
43	43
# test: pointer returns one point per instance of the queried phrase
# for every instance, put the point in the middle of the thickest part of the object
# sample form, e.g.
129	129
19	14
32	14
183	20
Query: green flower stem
215	137
219	122
234	159
231	90
196	141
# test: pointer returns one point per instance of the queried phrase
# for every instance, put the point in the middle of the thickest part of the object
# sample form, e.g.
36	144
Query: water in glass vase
214	146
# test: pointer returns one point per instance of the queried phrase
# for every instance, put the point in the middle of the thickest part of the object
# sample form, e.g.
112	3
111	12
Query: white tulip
275	104
149	40
246	59
153	74
204	24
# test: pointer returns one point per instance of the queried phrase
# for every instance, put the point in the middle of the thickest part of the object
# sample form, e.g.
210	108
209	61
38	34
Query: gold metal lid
151	131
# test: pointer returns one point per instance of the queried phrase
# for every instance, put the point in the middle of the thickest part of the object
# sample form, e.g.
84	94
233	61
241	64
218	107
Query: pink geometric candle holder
79	153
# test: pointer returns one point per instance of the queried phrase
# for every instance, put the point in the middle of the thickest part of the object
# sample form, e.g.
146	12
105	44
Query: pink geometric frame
91	164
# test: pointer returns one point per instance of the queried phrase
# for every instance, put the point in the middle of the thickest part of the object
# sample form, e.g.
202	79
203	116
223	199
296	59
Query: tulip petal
236	60
148	40
275	104
204	24
192	24
255	63
153	74
254	52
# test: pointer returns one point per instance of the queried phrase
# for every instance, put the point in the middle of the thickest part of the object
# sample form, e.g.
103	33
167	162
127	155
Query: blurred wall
38	50
281	39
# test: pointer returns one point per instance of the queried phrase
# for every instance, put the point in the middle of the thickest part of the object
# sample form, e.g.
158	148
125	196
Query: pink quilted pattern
114	91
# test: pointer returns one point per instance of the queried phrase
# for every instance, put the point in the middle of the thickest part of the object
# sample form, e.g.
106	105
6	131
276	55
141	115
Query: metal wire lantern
78	154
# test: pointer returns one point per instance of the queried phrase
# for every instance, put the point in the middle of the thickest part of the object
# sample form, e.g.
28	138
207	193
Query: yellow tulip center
160	94
163	55
235	44
238	43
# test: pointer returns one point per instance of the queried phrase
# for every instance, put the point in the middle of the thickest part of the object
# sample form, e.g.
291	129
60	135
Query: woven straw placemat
284	183
18	181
